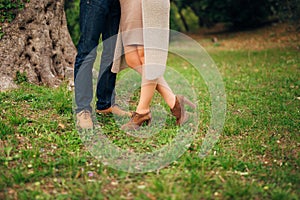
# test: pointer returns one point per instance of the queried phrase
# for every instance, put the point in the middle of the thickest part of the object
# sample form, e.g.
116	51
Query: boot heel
188	102
148	122
179	111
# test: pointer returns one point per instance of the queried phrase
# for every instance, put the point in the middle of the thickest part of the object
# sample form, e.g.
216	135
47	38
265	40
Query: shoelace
86	114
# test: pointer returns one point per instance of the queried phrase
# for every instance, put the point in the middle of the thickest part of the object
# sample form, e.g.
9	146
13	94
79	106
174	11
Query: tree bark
38	44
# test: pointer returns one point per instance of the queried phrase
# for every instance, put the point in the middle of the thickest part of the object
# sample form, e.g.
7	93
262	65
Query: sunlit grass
257	156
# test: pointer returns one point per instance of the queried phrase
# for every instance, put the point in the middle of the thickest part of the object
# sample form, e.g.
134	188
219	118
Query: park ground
256	156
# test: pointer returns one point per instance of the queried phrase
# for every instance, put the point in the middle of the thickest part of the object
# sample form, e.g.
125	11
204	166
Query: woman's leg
134	56
162	86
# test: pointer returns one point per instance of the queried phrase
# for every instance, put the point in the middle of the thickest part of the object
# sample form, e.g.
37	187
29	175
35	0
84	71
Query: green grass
257	156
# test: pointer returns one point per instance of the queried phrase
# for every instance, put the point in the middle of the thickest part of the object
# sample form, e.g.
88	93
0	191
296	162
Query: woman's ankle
143	111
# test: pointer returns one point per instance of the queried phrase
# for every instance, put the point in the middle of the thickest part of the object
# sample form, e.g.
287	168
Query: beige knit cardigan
156	39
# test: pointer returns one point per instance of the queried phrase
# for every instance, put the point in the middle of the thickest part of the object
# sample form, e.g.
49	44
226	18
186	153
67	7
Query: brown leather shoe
137	120
179	111
115	109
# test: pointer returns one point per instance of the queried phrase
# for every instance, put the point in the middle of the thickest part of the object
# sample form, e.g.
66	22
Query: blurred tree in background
72	13
240	14
287	10
40	31
189	15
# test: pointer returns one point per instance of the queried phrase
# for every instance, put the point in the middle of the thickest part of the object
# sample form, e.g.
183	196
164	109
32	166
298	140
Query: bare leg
147	87
134	56
162	86
166	92
135	59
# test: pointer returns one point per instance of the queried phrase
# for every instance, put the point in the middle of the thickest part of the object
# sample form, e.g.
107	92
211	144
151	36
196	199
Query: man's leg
92	23
107	79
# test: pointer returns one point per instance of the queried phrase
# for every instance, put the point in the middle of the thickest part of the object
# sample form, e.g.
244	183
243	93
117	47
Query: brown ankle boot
179	111
137	120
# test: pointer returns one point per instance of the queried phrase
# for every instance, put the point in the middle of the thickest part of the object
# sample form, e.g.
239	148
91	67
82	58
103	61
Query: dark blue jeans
96	17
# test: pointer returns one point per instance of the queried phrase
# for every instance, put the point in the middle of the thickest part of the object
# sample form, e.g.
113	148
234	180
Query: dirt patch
276	35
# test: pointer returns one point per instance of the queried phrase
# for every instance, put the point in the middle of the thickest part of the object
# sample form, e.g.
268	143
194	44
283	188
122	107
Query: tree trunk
38	44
